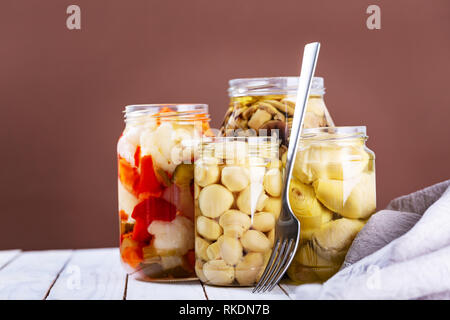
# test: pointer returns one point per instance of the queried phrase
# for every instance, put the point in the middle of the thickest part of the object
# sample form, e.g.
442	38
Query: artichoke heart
330	162
305	205
332	241
353	198
308	257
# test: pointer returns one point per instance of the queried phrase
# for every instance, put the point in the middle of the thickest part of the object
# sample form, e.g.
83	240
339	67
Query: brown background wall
62	92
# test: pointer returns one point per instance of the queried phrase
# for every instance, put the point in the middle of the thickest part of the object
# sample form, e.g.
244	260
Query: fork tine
269	266
283	265
275	267
281	260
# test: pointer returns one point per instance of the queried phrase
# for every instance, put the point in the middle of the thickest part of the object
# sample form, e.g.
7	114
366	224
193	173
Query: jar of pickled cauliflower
156	190
332	193
238	183
264	106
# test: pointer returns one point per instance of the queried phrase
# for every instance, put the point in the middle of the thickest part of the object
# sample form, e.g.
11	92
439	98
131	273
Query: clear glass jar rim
177	107
265	142
181	111
311	133
271	85
220	139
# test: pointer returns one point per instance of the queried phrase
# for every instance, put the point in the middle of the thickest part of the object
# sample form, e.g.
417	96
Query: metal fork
287	230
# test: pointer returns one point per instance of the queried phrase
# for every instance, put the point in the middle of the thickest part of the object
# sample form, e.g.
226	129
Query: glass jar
238	184
155	189
332	193
258	106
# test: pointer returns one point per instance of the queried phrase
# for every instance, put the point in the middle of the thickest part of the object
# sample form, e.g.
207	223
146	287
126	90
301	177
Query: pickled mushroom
199	270
214	200
206	172
234	223
255	241
230	249
273	205
213	251
201	245
218	272
235	178
259	118
248	199
273	182
247	270
208	228
263	221
275	127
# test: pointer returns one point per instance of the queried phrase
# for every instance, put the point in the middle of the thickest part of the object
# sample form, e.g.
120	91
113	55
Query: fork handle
310	55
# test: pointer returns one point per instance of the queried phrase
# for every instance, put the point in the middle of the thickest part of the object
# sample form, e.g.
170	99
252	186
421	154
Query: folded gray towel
380	230
402	254
419	201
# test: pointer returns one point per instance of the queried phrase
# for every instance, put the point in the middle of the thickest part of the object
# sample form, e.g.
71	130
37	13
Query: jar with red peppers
156	190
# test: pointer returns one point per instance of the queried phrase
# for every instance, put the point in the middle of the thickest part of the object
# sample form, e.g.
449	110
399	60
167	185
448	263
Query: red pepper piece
128	175
140	232
131	252
123	215
132	256
137	156
146	212
149	185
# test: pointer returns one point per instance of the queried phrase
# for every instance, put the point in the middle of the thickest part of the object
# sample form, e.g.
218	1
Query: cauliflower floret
133	133
164	135
149	146
175	236
168	145
170	262
126	149
181	135
184	151
127	201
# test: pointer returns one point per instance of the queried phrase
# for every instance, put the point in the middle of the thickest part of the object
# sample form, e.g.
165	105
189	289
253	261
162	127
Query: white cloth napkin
403	252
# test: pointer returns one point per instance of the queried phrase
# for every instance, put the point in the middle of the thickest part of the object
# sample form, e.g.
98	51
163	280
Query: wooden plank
31	275
243	293
91	274
141	290
7	255
288	288
300	292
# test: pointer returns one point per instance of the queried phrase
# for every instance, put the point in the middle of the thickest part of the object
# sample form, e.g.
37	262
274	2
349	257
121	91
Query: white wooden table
97	274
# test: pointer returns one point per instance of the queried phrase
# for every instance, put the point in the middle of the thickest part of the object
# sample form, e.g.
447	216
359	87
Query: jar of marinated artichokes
238	183
264	106
332	193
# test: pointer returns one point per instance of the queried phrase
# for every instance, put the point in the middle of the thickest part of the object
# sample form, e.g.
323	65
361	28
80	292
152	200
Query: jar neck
349	135
272	86
180	113
227	148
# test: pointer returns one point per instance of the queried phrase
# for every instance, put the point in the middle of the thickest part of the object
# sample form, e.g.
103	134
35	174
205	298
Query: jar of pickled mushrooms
332	193
265	106
238	183
156	189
